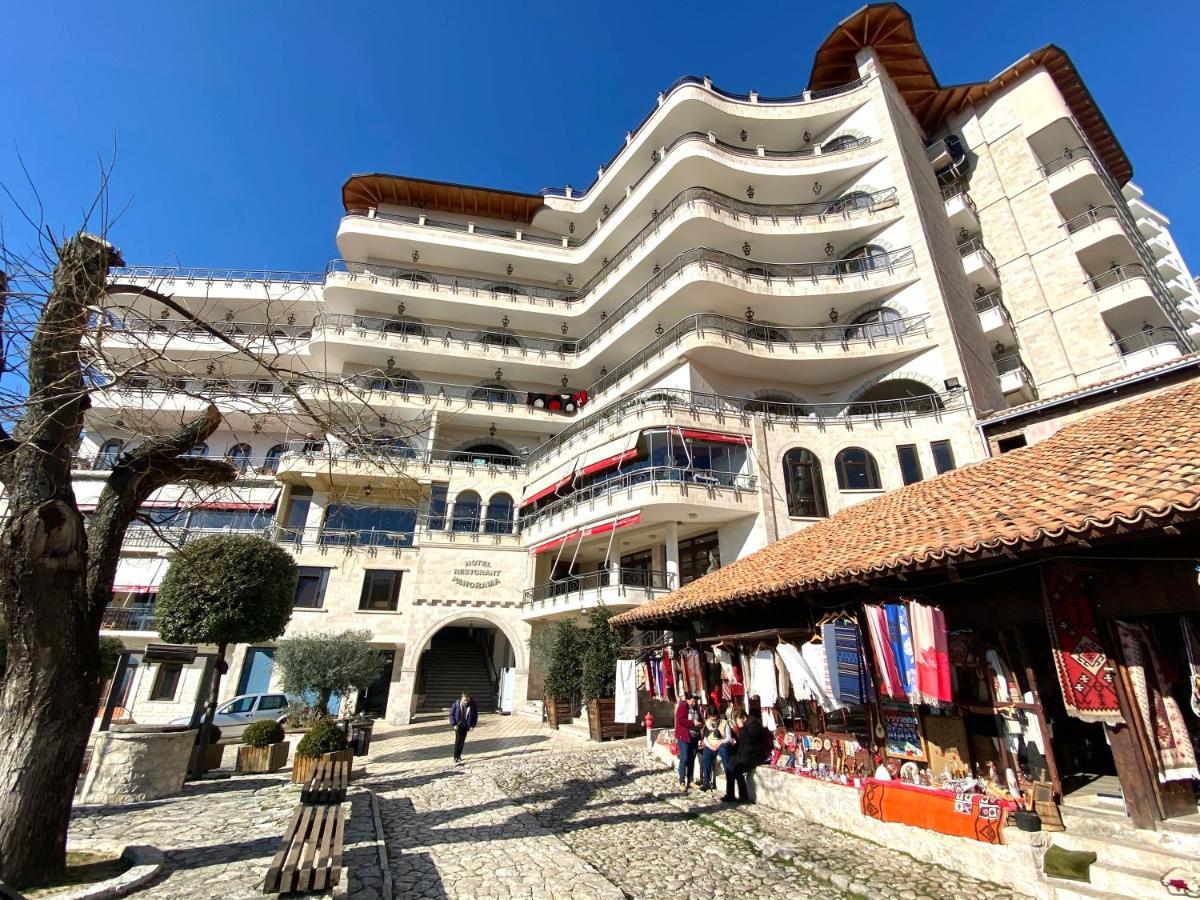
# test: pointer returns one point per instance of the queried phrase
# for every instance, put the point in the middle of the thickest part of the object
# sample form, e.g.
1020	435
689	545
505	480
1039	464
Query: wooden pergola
371	190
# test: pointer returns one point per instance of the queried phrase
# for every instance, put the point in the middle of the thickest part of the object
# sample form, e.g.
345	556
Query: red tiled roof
1134	466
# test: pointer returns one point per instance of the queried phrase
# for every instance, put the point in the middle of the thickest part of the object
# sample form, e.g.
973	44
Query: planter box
305	767
558	712
602	725
213	754
263	759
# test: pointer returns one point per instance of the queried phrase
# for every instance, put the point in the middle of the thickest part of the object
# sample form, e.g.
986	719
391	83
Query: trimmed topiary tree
324	737
111	649
225	589
263	733
600	647
325	665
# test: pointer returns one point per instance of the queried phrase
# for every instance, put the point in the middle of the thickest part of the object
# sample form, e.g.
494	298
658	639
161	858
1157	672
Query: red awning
546	491
135	588
555	542
614	524
610	462
716	437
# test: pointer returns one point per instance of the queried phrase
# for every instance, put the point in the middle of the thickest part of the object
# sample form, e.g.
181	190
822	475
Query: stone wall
131	765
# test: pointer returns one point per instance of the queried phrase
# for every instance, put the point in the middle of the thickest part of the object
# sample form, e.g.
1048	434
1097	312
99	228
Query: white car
234	715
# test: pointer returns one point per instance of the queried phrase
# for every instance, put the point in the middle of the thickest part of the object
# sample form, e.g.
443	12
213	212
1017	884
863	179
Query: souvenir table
968	815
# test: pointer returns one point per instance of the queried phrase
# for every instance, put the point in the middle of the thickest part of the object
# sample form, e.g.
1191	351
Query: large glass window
500	514
230	519
310	587
698	556
875	324
380	590
910	463
437	506
271	461
238	456
943	456
467	506
379	526
802	481
856	470
864	259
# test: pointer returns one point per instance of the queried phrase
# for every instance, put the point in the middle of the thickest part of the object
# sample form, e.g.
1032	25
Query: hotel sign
476	574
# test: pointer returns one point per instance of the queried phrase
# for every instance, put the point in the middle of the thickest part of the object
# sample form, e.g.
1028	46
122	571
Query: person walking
687	734
463	717
748	752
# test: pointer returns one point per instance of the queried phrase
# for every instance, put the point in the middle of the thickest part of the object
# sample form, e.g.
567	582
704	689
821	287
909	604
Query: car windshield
238	705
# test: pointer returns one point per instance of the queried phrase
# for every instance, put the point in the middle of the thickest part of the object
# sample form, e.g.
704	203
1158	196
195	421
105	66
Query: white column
316	516
671	546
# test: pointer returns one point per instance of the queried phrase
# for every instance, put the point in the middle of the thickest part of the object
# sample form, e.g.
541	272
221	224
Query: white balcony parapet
614	589
1148	347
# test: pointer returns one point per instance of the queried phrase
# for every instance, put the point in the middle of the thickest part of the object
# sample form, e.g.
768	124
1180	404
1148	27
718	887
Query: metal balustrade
1005	365
975	245
311	450
1116	275
228	277
1090	217
168	536
248	466
651	475
639	582
1147	339
129	618
1059	163
187	329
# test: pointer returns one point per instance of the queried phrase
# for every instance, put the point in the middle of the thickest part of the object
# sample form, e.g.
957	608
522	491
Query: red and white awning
139	574
602	527
556	478
716	437
609	455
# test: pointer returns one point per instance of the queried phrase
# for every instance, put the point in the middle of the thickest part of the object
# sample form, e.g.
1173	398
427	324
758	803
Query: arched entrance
480	653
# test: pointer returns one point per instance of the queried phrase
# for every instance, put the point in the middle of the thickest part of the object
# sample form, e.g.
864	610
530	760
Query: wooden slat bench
310	854
328	784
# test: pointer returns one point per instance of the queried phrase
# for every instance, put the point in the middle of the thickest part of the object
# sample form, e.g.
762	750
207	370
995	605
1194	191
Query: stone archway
402	703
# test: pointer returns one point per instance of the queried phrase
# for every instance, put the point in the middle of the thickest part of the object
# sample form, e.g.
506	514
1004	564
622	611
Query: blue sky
236	124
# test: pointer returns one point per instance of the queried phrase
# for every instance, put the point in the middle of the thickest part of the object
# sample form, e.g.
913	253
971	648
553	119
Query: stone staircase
454	665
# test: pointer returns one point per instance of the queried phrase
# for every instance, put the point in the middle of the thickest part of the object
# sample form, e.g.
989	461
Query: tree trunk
196	768
322	705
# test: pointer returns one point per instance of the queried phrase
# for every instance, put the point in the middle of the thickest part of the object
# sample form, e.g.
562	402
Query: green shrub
324	737
262	734
319	666
600	648
566	663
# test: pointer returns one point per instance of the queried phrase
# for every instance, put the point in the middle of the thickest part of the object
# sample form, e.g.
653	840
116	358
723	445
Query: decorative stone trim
465	603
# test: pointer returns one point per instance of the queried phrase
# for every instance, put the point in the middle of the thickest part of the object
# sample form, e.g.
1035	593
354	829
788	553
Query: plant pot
305	767
558	712
602	724
257	760
213	754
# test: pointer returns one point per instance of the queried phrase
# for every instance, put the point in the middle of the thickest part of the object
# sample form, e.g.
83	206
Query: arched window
239	456
857	471
271	462
802	481
875	324
895	396
483	453
864	259
466	512
500	514
198	450
841	142
849	202
109	452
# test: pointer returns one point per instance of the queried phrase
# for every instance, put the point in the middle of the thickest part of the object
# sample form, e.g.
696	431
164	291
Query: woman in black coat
748	752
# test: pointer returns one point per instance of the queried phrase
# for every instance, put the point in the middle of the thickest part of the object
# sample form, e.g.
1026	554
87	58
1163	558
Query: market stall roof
370	190
1133	467
888	28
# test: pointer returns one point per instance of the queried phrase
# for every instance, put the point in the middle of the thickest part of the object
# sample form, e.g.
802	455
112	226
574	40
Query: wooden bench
328	784
310	854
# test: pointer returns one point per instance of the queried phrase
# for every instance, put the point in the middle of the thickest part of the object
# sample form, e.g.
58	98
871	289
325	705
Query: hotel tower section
759	311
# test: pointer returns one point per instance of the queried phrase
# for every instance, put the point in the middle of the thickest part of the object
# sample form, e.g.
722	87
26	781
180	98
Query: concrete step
1129	881
1122	844
1062	889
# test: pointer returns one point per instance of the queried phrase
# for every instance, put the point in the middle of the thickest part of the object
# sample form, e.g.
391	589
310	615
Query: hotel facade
760	311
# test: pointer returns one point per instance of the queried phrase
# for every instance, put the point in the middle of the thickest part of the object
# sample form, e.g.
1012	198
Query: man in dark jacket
748	752
463	717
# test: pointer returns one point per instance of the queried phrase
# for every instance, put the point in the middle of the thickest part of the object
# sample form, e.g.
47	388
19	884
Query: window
109	452
310	587
437	506
467	507
943	456
500	514
864	259
875	324
802	484
273	701
841	142
369	526
239	456
198	450
271	462
1012	442
698	556
166	681
850	201
380	591
857	471
240	705
910	463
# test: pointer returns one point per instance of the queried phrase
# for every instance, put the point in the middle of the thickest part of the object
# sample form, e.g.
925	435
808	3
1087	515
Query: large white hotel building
760	310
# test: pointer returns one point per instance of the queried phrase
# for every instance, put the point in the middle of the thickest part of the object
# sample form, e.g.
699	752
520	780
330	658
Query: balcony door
698	556
636	568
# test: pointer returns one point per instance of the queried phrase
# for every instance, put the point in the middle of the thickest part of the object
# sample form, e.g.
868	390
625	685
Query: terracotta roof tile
1138	461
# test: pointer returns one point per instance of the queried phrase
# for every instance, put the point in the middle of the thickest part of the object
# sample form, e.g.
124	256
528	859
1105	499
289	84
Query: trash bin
360	736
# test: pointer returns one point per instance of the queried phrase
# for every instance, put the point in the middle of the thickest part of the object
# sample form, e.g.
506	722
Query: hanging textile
941	641
1192	644
924	653
668	677
693	671
843	656
890	684
762	679
725	661
1084	675
900	638
746	675
1160	713
805	683
813	654
626	707
782	679
768	720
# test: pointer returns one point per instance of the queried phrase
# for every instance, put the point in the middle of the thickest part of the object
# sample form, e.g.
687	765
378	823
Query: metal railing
1116	275
1072	155
230	387
975	245
1090	217
1148	339
958	189
228	277
637	581
707	479
990	301
104	462
167	536
129	618
1007	365
189	330
312	449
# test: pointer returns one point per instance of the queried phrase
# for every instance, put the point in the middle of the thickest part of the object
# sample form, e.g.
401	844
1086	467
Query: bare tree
68	338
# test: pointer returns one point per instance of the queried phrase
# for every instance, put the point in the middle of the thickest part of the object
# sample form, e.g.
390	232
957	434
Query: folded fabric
626	707
813	654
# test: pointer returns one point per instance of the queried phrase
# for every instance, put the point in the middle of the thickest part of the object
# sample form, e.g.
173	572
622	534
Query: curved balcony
745	103
1015	378
994	318
960	208
1121	285
1075	164
137	333
242	285
1149	347
328	461
979	264
1094	225
695	202
616	589
672	493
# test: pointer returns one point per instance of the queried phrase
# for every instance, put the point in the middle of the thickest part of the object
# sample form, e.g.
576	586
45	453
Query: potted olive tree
263	749
225	589
324	740
319	666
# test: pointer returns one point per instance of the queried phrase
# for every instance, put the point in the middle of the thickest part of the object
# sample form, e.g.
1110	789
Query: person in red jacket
687	734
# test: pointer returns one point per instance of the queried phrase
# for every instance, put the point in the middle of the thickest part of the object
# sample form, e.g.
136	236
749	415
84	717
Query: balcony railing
990	301
129	618
170	536
333	451
958	189
252	466
706	83
1090	217
975	245
1059	163
1151	339
209	276
653	475
638	582
185	329
1116	275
